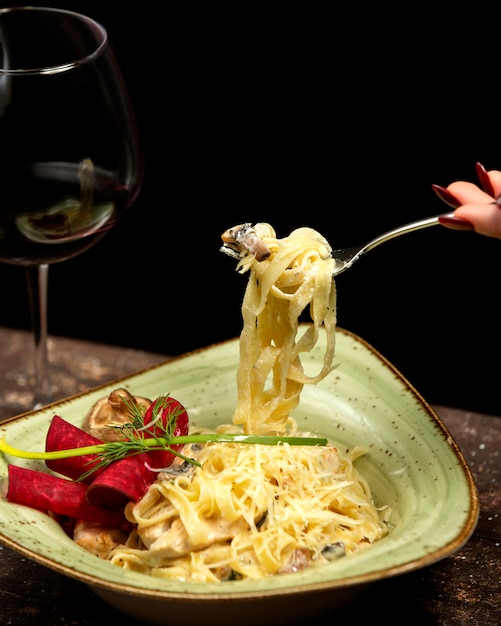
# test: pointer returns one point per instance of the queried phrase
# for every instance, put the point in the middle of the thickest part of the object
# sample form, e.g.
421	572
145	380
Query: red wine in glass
70	159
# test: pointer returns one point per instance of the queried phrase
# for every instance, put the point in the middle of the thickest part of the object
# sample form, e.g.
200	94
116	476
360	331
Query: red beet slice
122	481
170	409
128	479
47	492
119	482
63	435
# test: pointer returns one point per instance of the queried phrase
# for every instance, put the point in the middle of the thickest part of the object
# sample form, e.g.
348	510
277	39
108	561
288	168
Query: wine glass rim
62	67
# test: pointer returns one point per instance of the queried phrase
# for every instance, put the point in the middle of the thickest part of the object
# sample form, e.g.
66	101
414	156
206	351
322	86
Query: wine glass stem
37	277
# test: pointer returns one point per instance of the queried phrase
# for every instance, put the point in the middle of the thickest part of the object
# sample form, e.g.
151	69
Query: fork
345	257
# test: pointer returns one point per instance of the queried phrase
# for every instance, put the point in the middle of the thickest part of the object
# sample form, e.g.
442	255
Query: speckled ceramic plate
412	464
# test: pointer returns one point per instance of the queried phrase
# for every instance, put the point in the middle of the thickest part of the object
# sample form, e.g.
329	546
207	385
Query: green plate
412	464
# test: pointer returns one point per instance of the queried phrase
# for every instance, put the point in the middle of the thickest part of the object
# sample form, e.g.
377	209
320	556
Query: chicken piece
172	541
300	559
98	539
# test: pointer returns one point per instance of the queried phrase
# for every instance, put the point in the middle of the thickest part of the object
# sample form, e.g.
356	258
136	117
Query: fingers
477	205
495	178
474	204
486	218
468	193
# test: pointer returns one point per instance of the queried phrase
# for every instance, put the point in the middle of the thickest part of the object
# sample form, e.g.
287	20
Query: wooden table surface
462	589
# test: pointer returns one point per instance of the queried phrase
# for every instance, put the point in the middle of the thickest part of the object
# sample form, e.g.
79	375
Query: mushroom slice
111	411
242	240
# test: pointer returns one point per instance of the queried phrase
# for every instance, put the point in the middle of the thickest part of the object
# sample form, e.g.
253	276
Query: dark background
336	119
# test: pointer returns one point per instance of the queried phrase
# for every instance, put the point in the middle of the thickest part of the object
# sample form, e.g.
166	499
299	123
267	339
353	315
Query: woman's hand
476	206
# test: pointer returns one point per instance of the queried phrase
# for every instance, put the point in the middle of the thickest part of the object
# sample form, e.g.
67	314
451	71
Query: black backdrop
340	121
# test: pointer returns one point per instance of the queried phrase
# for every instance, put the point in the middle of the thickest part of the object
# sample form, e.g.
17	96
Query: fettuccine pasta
252	511
295	276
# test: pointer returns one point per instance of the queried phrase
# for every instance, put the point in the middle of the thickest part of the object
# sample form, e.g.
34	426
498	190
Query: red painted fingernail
484	179
445	195
449	220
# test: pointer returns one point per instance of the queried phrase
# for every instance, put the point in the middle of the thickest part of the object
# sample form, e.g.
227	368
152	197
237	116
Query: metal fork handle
401	230
353	254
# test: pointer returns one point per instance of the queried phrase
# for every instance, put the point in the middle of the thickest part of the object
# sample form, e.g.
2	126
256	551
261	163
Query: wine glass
70	158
